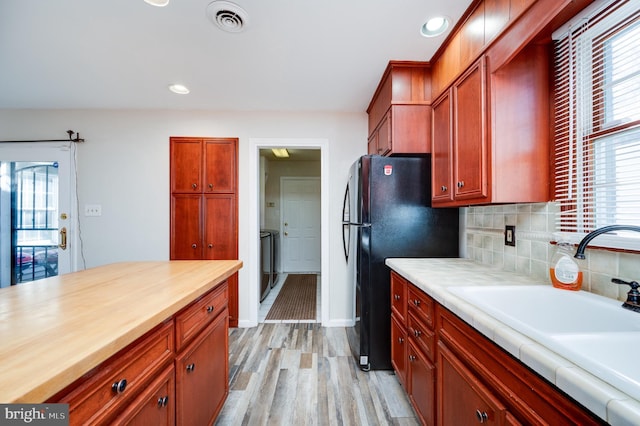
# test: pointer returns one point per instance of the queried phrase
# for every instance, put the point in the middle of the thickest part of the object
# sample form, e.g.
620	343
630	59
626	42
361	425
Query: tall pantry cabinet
204	204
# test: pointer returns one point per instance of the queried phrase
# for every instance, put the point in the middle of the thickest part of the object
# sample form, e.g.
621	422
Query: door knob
286	233
286	224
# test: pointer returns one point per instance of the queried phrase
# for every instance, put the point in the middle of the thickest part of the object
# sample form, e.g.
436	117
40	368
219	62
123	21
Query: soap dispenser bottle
564	270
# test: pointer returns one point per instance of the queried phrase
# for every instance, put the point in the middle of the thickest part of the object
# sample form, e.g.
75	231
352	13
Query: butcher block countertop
54	330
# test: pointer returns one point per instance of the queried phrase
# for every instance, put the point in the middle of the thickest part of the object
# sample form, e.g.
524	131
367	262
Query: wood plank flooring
304	374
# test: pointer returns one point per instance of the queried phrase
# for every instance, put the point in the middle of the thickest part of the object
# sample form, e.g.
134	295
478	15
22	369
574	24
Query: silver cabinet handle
163	401
190	368
210	309
194	245
119	386
460	184
417	333
443	188
194	185
396	297
482	416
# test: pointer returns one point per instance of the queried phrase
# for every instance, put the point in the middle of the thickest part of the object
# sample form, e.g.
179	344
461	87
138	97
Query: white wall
124	166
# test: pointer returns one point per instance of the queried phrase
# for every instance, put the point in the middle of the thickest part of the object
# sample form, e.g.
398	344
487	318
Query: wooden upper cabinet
442	150
499	29
399	113
496	16
186	165
472	36
203	165
499	144
470	134
219	165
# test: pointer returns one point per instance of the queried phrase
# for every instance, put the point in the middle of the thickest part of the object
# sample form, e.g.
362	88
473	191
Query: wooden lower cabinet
178	373
462	398
201	375
399	350
155	406
422	382
454	375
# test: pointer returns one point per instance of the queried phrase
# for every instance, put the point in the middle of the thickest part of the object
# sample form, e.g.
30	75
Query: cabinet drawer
155	405
120	378
200	313
422	335
422	305
399	297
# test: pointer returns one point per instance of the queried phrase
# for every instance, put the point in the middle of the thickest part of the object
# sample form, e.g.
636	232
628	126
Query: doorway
36	211
265	215
290	215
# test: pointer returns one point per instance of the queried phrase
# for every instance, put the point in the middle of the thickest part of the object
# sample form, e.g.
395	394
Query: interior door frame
248	289
65	153
282	197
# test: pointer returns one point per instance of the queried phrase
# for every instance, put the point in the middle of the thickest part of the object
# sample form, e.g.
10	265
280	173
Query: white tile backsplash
535	225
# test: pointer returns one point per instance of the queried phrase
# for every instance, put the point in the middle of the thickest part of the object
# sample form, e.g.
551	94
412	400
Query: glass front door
35	225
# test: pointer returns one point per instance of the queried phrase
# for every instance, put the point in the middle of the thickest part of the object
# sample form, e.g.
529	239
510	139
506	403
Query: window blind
597	120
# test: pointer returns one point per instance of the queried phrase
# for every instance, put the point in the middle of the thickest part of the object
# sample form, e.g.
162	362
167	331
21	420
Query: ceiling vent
227	16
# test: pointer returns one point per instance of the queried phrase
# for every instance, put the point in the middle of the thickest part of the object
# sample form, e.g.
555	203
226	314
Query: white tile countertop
435	276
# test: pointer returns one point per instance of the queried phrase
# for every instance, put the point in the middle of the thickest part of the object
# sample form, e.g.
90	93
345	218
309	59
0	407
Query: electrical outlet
92	210
510	235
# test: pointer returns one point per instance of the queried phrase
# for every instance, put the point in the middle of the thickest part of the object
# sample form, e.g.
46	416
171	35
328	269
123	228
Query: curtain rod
77	139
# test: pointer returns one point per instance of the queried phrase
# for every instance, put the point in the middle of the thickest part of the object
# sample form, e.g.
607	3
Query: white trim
255	144
340	323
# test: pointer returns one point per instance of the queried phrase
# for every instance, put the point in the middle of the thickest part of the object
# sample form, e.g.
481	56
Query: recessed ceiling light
280	152
159	3
435	26
179	89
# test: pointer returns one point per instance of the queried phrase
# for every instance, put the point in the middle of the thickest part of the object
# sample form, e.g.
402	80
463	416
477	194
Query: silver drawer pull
396	296
210	309
482	416
163	401
417	333
119	386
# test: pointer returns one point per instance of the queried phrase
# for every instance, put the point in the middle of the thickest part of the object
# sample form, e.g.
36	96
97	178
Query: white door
36	211
300	224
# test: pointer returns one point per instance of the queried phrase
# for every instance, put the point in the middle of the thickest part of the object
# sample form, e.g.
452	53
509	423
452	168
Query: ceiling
294	55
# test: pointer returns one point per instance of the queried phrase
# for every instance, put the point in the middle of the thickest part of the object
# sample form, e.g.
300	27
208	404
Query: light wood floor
304	374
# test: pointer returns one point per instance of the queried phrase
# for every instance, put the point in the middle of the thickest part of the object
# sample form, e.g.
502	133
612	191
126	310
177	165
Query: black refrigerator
387	213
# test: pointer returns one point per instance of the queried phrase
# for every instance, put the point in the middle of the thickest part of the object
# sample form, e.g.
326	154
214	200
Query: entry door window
34	200
37	218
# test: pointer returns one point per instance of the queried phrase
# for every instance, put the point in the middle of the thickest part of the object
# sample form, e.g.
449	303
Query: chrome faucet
633	296
591	235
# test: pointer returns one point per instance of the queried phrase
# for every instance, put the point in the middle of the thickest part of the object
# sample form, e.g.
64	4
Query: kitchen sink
593	332
546	310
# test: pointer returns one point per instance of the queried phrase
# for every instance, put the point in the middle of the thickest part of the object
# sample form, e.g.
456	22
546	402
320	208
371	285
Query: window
597	127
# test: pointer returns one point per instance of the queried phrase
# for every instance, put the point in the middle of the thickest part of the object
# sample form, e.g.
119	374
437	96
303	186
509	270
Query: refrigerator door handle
345	224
